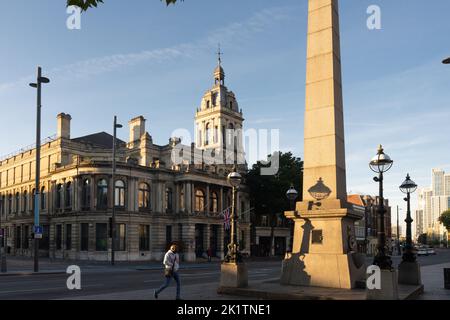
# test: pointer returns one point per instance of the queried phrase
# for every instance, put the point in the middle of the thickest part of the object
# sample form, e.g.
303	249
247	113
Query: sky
143	58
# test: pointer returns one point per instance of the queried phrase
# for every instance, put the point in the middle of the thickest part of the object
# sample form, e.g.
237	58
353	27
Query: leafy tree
422	239
86	4
445	220
268	193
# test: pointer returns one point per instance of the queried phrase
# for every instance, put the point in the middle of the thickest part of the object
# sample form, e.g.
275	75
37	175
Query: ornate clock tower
219	121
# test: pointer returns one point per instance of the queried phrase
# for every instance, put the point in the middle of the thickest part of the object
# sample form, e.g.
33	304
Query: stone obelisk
323	252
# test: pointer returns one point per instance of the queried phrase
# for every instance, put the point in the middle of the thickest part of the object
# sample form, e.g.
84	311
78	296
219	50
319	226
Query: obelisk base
234	275
388	287
409	273
342	271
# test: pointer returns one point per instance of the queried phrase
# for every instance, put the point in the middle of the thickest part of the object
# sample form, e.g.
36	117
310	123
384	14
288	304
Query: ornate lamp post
38	85
408	187
113	220
292	195
233	255
380	164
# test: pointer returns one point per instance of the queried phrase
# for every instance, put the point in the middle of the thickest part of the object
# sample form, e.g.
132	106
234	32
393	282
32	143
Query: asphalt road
53	286
106	279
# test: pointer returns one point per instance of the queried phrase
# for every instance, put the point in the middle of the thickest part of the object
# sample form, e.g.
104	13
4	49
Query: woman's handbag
168	273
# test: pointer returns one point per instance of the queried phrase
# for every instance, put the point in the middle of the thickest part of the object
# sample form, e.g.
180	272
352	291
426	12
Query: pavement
200	281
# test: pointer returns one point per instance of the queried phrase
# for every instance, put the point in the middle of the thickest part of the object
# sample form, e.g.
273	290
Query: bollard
447	278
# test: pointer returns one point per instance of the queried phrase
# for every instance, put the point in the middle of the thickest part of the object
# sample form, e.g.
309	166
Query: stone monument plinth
324	250
234	275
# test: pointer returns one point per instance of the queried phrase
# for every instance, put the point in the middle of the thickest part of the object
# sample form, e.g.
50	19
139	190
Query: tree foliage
268	193
445	219
86	4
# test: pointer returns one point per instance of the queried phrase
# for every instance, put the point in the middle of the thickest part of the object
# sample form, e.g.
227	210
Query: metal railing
27	148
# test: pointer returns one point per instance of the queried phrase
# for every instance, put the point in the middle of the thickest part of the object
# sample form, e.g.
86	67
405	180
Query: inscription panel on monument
317	237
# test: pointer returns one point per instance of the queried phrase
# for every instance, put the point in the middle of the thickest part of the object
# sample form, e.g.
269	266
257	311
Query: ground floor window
44	243
120	237
18	237
58	237
68	237
26	231
144	238
168	235
101	237
84	237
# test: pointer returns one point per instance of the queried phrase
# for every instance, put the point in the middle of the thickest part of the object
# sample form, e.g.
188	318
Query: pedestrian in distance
171	266
209	254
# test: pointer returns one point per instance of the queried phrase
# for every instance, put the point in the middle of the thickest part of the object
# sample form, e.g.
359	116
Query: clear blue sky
144	58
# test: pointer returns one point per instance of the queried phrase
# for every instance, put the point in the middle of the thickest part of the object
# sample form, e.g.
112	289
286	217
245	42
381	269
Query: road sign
38	232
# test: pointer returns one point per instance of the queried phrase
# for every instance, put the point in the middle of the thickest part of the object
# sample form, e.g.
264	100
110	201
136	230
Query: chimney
63	125
137	128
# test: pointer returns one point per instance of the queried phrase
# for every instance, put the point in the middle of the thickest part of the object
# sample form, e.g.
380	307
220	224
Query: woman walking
171	265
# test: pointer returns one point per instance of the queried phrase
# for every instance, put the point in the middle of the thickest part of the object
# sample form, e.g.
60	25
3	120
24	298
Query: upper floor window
86	194
169	202
2	205
207	133
25	201
208	104
43	199
59	196
17	202
10	203
199	201
214	202
119	190
144	196
68	195
102	194
231	105
33	200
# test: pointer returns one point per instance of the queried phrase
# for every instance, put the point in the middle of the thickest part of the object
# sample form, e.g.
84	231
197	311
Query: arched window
169	202
59	196
231	105
10	203
102	194
33	200
144	196
68	195
43	199
86	194
214	203
3	204
199	201
119	190
207	134
25	201
17	202
208	104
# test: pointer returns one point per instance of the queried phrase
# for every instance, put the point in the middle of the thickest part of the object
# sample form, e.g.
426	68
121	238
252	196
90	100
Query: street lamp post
292	195
408	187
37	231
233	255
398	232
113	220
380	164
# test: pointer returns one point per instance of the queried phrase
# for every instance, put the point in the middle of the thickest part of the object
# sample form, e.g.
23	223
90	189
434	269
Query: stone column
192	197
93	192
189	242
208	204
220	243
206	236
221	206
